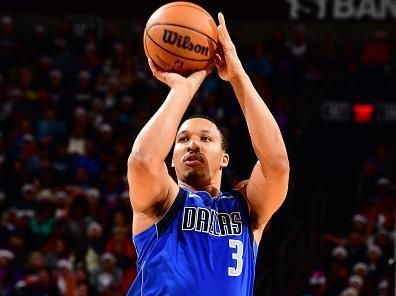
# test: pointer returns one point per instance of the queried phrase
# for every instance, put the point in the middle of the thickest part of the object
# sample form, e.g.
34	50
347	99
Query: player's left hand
228	64
190	83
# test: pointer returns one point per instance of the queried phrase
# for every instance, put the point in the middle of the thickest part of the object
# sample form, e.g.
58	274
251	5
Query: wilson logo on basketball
174	38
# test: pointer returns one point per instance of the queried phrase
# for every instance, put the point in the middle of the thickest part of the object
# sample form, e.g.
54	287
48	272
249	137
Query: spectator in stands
356	282
8	274
95	246
107	279
318	284
66	281
338	270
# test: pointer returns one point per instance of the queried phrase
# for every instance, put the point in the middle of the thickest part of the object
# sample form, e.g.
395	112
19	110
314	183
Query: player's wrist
184	90
239	77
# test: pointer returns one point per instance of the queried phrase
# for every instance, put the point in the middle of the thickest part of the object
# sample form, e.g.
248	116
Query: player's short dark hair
224	142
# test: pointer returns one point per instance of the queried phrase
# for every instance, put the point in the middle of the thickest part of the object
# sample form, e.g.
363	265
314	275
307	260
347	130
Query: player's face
198	155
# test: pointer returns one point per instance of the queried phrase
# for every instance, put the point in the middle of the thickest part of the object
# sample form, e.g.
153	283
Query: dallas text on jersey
212	222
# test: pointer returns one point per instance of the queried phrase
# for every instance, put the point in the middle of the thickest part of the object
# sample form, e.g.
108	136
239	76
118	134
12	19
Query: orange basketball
181	37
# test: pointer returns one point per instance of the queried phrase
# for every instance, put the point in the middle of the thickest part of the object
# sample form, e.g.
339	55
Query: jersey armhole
171	213
245	205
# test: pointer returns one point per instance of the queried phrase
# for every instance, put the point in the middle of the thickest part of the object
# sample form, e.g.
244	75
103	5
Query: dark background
331	157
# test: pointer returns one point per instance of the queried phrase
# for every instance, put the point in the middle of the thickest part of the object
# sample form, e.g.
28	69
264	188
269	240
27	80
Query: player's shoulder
241	187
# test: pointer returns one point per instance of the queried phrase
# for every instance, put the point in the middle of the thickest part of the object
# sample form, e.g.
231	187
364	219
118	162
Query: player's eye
205	139
182	139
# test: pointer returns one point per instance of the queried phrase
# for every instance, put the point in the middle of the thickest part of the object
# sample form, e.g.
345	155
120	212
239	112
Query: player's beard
196	177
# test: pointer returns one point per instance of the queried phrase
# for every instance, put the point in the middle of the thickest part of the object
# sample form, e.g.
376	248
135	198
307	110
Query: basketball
181	37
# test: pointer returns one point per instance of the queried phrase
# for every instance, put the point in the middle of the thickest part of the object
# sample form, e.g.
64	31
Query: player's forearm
266	136
156	139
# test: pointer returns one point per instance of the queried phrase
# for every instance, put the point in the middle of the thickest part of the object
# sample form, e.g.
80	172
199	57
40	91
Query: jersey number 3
237	255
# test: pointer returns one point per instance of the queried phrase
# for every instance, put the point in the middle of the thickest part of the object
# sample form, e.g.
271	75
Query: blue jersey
201	246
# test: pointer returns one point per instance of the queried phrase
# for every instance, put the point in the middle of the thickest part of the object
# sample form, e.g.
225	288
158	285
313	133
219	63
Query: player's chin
192	171
193	175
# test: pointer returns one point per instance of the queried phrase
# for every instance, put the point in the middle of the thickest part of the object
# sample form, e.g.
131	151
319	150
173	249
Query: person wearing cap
94	230
359	224
356	281
8	273
61	201
374	253
95	245
339	252
108	277
317	284
350	291
383	288
375	262
338	270
27	199
39	41
85	85
119	246
6	36
384	241
360	269
97	210
65	278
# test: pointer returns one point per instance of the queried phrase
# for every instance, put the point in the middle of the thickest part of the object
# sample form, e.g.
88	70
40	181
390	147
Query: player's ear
225	161
173	163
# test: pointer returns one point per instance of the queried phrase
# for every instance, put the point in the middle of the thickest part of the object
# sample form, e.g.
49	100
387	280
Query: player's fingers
224	27
197	77
152	66
225	41
217	60
221	34
156	72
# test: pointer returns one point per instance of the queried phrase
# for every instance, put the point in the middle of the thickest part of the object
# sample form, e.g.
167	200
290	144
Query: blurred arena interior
75	90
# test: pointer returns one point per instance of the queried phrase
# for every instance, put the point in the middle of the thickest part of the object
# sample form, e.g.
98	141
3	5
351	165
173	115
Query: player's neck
211	188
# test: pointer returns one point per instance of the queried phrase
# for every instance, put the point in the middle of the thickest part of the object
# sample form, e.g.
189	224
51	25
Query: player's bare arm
151	189
267	187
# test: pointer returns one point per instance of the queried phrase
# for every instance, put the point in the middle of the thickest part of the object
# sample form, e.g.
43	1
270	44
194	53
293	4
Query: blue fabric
202	246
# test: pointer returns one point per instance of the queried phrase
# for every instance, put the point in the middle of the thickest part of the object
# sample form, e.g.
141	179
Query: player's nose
193	145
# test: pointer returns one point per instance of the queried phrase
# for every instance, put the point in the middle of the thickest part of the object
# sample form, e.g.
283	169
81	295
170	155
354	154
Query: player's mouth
193	159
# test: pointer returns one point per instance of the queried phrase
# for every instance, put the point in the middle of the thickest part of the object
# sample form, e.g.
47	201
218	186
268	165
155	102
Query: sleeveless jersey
201	246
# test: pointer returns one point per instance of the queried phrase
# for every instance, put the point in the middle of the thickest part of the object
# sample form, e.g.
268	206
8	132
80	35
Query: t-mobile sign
378	10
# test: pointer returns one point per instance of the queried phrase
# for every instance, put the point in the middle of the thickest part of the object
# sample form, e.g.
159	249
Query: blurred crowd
71	107
362	262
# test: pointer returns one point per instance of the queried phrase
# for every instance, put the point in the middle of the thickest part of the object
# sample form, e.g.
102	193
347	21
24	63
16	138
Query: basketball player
191	238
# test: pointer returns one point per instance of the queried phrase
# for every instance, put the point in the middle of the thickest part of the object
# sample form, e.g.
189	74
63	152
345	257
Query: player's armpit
253	218
265	194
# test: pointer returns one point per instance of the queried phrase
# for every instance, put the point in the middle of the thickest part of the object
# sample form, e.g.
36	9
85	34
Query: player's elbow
138	158
283	165
280	165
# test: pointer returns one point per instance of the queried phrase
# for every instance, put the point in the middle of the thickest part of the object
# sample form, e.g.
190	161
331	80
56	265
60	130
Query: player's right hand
177	81
228	64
